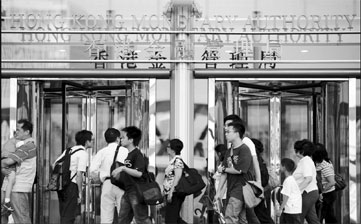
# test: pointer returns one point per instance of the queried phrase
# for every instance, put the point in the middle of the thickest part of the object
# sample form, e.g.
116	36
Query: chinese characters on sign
155	51
126	51
97	51
272	53
242	51
211	52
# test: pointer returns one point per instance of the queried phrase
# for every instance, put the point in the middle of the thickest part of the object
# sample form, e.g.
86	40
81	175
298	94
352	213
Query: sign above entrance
222	26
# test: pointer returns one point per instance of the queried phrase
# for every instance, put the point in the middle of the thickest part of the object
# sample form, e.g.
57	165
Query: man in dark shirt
235	169
134	166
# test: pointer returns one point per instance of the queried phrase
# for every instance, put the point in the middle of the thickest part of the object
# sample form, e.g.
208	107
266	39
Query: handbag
252	194
149	191
191	182
122	178
340	182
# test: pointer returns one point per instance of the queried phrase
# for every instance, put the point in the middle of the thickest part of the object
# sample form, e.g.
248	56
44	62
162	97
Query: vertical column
275	138
182	87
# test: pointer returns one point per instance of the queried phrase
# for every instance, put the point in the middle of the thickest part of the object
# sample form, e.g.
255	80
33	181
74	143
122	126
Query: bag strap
70	158
116	153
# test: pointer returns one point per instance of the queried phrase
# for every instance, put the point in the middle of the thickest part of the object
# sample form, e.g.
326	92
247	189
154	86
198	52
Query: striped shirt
326	171
25	158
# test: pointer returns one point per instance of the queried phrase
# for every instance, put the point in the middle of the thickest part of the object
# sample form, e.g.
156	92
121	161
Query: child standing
291	207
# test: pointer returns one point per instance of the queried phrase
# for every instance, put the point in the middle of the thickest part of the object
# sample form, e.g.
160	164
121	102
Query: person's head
112	135
84	138
221	151
288	165
232	118
320	153
234	131
258	145
175	147
303	148
131	136
24	129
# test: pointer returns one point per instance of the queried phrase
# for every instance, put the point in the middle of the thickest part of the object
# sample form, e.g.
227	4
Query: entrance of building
280	112
70	106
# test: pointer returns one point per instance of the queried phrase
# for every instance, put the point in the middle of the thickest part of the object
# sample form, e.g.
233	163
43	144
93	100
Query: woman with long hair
328	195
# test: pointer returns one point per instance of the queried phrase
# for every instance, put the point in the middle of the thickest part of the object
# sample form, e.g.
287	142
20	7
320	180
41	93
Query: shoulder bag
191	182
340	182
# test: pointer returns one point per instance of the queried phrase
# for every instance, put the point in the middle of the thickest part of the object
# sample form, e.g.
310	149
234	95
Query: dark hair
233	118
133	133
176	145
305	147
82	136
111	135
320	154
288	164
221	149
258	144
238	127
27	125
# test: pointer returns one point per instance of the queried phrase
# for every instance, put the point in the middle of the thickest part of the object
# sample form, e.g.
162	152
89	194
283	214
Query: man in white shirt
70	198
100	169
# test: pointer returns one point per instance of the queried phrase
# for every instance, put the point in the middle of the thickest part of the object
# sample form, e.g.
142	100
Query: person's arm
330	182
79	182
231	170
177	176
284	202
305	182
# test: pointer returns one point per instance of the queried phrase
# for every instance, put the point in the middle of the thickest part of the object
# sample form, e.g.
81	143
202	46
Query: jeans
131	204
68	204
327	211
308	207
173	208
235	211
110	198
251	216
21	204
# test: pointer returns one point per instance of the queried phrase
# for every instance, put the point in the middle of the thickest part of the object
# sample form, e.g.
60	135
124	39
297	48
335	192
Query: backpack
264	171
60	176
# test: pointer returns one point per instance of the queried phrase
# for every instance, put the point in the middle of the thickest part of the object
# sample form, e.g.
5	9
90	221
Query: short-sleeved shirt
326	171
135	160
175	163
306	168
241	160
25	158
250	145
291	190
78	160
103	160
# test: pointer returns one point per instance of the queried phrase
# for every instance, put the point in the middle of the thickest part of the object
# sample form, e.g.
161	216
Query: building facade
176	69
